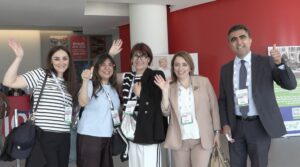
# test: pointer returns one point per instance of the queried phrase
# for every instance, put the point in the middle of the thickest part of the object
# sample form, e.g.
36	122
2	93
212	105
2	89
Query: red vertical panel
124	32
203	29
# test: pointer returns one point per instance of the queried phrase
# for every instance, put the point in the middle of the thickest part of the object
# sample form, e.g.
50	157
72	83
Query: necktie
242	85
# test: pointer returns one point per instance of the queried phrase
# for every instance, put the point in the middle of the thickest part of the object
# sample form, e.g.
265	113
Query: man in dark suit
248	108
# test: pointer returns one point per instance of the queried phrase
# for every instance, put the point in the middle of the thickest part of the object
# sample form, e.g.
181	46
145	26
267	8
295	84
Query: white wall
30	40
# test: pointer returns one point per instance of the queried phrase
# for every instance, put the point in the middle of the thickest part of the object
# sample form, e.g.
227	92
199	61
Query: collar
147	73
247	58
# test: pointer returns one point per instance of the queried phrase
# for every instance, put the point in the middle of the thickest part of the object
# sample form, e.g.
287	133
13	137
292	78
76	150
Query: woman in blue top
100	99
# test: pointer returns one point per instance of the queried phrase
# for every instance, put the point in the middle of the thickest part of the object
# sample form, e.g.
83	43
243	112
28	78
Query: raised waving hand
116	47
11	78
16	47
162	83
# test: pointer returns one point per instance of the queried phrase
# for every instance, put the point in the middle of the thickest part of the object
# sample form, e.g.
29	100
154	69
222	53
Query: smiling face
141	57
181	68
106	70
140	62
60	62
240	42
163	63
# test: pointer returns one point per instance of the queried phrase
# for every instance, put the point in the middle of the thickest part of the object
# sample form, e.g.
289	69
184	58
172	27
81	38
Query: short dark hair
238	27
144	49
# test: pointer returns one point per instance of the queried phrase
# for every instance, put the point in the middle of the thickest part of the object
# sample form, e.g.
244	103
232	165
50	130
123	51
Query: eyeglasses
141	57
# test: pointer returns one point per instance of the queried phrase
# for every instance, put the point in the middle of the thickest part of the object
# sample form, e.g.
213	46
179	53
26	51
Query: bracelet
217	131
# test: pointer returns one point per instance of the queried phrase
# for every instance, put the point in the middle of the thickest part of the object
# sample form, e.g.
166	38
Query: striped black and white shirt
50	114
127	84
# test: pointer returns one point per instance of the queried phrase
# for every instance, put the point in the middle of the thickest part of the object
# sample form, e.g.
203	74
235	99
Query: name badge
186	118
242	97
130	106
68	114
115	117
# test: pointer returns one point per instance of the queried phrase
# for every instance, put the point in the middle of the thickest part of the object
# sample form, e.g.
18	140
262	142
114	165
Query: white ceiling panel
90	16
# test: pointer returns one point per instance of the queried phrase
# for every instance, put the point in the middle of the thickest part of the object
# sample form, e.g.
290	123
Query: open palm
161	82
16	47
116	47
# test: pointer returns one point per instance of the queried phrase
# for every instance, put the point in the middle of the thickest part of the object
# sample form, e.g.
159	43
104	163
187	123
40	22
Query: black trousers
250	139
51	149
93	151
56	148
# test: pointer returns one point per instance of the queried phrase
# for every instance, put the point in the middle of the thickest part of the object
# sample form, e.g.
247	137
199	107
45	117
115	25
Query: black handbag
19	143
119	144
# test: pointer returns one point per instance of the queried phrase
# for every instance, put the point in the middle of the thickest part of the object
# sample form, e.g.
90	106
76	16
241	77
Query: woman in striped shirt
53	114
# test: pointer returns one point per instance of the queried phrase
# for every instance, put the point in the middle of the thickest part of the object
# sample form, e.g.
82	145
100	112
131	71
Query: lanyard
109	99
59	86
131	87
114	113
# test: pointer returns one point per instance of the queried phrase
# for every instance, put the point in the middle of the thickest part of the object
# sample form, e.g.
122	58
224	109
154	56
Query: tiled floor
22	164
11	164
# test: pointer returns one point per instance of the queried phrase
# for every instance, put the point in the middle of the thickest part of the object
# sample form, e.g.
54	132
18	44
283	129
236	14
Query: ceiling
88	16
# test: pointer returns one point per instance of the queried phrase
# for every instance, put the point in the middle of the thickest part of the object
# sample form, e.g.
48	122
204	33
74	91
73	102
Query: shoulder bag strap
42	89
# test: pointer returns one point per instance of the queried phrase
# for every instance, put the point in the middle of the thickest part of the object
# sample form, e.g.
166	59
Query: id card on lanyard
67	108
114	112
186	118
131	104
242	97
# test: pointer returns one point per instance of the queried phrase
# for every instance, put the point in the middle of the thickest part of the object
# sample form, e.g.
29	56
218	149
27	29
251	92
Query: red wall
124	32
203	29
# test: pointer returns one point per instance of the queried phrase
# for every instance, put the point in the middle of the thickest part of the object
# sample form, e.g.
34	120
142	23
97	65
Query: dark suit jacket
264	72
151	125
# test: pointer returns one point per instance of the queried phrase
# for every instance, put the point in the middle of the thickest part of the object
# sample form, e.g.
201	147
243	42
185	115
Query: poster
79	47
163	63
289	101
97	45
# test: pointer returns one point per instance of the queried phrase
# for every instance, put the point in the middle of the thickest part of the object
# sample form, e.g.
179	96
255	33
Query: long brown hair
96	79
69	74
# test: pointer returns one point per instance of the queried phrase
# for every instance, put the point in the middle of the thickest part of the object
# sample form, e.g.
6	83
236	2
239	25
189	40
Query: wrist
19	58
217	132
165	91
